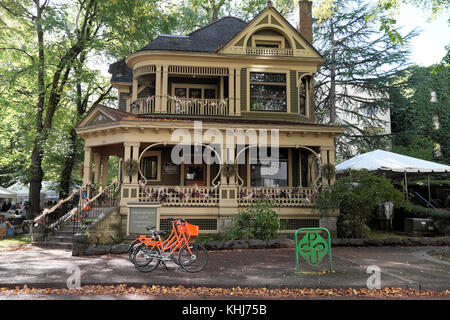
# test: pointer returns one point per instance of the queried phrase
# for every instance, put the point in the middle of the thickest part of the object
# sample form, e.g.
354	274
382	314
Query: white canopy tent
6	194
389	162
47	192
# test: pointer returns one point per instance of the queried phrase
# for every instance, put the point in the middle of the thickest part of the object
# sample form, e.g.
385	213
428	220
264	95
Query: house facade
211	121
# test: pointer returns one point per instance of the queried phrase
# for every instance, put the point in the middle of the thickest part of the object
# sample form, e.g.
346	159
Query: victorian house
251	81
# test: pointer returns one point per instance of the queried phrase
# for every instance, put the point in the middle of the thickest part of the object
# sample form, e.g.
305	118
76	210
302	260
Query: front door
195	174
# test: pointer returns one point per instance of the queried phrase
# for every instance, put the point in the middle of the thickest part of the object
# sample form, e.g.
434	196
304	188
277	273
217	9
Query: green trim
294	91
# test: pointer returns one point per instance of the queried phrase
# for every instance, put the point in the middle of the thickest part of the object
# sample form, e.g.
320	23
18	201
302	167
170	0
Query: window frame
156	154
288	89
278	40
189	86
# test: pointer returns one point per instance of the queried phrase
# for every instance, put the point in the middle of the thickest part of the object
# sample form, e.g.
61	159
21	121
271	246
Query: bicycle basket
191	230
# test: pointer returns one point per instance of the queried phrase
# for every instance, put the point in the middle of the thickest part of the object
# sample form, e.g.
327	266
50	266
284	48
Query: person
13	207
4	207
8	205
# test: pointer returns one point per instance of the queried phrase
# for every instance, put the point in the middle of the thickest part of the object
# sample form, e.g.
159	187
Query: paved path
405	267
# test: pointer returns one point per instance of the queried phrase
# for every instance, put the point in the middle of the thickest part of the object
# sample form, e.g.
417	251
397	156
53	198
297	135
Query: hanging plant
229	169
130	167
328	170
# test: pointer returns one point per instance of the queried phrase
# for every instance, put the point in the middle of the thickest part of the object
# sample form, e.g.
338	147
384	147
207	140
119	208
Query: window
267	44
268	91
151	168
194	91
303	98
269	174
151	165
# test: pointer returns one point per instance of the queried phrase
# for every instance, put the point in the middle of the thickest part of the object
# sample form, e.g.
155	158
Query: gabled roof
206	39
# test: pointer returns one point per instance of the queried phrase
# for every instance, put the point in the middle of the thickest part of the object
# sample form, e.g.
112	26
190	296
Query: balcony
183	106
271	52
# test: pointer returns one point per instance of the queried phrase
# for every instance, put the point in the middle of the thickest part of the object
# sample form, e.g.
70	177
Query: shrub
258	221
357	196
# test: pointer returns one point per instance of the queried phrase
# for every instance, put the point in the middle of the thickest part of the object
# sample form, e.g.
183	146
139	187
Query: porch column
158	89
231	92
135	90
165	80
127	156
97	167
290	176
87	165
135	155
221	87
323	160
331	153
237	109
119	171
105	170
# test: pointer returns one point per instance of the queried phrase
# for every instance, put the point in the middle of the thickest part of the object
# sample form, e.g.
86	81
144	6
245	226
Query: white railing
143	105
283	196
174	196
270	51
207	107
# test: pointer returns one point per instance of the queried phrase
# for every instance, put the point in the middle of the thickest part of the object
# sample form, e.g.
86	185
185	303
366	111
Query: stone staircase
61	239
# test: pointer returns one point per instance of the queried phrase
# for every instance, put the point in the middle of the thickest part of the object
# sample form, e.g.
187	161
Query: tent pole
406	185
429	192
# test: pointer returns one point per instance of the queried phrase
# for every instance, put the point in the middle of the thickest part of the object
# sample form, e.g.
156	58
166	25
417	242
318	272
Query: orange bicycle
151	251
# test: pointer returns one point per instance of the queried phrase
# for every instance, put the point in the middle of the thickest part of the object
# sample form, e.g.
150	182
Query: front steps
61	239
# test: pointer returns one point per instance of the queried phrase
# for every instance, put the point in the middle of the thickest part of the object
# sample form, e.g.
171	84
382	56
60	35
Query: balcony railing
174	196
186	106
283	196
270	51
144	105
207	107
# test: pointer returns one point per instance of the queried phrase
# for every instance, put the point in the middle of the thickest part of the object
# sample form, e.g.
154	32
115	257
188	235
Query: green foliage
354	79
357	196
414	115
258	221
422	212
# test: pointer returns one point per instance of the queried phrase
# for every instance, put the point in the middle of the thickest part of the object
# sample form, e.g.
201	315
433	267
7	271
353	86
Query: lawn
11	243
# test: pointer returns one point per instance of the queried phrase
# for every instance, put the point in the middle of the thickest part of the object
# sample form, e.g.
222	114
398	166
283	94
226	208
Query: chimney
303	19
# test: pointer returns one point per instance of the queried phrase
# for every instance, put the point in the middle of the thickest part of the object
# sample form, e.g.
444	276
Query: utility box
418	225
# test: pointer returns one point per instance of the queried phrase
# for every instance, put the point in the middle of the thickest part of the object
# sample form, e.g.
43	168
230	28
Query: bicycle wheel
194	258
133	246
146	259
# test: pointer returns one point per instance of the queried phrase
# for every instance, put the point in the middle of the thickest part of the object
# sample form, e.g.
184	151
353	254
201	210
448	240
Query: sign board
141	217
170	168
312	247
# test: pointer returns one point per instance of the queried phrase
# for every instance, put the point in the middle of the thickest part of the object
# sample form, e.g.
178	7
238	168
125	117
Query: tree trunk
36	173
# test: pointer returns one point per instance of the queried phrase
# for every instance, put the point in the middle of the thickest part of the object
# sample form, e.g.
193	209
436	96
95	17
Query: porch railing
174	196
207	107
283	196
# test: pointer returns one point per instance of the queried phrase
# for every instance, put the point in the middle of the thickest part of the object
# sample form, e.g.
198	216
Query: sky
429	46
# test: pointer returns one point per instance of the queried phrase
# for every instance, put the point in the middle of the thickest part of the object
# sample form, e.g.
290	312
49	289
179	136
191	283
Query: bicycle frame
174	241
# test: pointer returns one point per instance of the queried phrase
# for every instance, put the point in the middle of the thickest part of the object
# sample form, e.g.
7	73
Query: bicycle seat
159	232
149	228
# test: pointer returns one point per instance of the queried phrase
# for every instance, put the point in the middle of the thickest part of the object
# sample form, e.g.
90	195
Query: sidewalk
404	267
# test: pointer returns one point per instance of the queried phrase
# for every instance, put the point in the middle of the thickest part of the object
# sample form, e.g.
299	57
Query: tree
420	109
356	196
54	37
386	11
354	79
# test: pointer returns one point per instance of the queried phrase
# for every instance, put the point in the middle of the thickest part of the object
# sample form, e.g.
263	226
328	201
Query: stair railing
90	209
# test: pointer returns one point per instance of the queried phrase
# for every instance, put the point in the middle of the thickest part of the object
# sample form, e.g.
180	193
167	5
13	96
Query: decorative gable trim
270	18
95	117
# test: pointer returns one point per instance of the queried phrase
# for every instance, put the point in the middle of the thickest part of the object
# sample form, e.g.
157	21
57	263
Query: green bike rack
312	247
